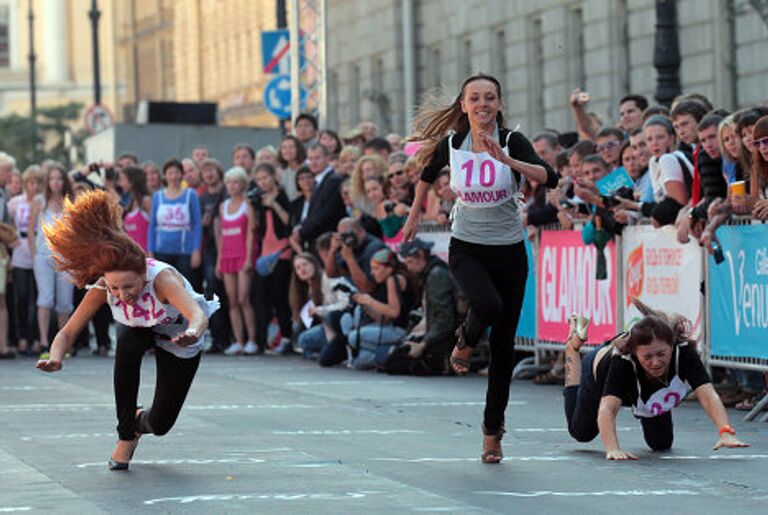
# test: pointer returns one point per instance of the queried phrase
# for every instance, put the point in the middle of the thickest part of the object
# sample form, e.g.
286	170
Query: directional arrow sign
277	96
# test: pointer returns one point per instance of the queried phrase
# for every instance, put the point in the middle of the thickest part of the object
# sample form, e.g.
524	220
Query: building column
55	40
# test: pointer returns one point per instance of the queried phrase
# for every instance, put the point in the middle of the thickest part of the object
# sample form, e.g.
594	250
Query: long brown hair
66	188
436	117
300	292
88	239
658	325
759	176
137	178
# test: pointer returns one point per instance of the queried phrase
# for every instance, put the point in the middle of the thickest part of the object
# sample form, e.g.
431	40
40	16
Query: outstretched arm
64	339
712	404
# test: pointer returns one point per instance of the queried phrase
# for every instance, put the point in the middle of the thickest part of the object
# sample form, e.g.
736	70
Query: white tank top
164	319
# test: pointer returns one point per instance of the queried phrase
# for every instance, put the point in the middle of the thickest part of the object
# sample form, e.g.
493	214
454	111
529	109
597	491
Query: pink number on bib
467	166
140	312
155	314
488	179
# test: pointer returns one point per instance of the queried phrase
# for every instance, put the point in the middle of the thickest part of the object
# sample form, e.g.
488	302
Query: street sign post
97	118
277	96
275	52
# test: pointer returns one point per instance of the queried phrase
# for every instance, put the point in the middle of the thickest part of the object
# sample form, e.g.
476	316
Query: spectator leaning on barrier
427	346
609	141
686	116
547	147
730	149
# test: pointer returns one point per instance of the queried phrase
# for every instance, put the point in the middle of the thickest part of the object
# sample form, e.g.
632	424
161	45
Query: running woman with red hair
155	303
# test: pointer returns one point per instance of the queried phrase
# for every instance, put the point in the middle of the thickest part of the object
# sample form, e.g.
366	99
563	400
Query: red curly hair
88	239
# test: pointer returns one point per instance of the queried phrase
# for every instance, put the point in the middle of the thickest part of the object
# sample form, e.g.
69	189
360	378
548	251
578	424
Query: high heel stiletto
493	456
113	464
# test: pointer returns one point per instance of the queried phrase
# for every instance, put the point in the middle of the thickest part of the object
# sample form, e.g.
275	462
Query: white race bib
478	179
174	217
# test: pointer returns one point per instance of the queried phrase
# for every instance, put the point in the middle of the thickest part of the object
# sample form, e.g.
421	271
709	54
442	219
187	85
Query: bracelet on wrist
727	429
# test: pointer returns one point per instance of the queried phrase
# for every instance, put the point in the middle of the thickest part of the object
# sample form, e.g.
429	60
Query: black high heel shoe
113	464
120	465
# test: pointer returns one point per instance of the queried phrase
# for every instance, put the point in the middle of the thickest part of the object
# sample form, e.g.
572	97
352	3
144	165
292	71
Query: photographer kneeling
426	348
378	320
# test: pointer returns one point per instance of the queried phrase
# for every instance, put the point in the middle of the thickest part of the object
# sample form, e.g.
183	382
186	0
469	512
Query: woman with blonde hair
154	303
347	159
366	168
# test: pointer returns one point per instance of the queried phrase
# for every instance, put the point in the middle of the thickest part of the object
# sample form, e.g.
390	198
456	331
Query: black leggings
493	279
270	295
174	377
25	314
582	403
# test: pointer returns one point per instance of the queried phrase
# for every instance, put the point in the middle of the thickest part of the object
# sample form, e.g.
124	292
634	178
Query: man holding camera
350	254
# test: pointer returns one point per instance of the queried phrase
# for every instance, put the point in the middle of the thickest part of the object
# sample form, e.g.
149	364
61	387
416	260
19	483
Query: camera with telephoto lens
614	199
349	238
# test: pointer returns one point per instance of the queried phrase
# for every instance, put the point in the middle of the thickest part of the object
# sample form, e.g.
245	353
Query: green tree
53	124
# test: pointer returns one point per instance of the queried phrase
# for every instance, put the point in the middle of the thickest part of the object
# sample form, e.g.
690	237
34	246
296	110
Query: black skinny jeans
582	403
24	296
269	295
493	279
174	377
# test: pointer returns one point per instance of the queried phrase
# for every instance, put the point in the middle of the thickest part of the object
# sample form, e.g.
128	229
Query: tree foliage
53	124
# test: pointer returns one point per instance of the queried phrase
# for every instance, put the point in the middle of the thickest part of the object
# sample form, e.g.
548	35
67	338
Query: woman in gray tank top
487	255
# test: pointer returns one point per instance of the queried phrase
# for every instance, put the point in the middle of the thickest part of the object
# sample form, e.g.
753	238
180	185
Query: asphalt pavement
275	434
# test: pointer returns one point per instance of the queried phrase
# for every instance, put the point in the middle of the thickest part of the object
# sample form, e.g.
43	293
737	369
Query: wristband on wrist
727	429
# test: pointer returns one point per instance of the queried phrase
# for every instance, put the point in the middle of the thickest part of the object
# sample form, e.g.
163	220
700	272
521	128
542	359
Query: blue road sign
277	96
275	52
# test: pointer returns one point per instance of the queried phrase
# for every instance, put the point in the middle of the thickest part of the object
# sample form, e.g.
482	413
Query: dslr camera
614	198
349	238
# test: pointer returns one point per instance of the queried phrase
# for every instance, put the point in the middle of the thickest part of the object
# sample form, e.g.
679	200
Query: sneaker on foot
250	348
285	347
233	349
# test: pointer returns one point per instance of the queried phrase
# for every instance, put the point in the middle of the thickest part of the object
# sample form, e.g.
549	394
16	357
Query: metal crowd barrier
538	345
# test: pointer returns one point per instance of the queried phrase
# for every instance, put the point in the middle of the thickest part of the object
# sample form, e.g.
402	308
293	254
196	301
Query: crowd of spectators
302	240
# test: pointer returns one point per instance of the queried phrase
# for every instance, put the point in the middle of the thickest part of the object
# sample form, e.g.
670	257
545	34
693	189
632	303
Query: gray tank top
498	225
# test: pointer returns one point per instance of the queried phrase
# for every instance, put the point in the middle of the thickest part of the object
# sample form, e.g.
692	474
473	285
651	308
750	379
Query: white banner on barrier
662	273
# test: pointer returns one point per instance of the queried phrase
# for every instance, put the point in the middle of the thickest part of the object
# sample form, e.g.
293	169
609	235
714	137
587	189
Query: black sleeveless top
406	299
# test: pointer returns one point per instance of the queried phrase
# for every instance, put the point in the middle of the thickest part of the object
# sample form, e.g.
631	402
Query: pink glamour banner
567	284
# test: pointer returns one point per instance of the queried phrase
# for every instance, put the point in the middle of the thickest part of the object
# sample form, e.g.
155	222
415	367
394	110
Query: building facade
540	50
63	47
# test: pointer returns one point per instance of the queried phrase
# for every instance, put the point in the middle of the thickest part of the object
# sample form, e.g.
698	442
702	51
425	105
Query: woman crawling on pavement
652	369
